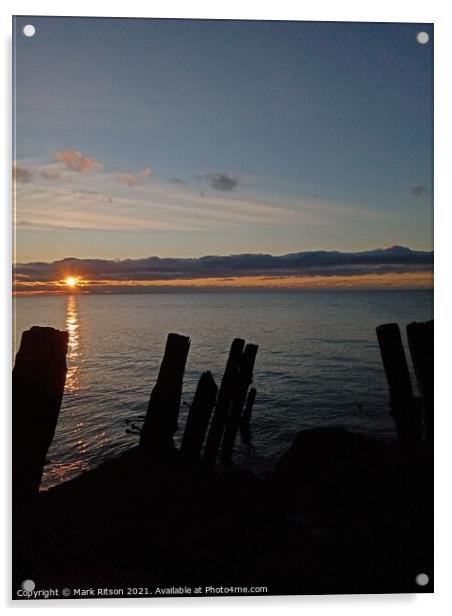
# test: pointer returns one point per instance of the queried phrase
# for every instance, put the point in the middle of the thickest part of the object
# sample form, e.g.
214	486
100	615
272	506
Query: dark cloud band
394	259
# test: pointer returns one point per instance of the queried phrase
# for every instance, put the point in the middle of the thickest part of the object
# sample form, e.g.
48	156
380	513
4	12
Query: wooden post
420	341
224	401
38	380
198	417
162	414
398	377
245	420
245	377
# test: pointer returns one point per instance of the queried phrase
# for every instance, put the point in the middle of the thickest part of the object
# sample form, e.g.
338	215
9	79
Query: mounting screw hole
28	585
29	30
422	579
422	38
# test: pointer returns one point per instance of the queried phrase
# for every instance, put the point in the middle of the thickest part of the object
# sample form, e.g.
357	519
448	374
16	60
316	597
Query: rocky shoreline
340	513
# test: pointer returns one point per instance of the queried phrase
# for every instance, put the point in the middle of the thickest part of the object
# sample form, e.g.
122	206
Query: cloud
88	194
177	181
21	174
51	174
418	190
92	202
132	179
218	181
396	259
74	160
222	181
58	198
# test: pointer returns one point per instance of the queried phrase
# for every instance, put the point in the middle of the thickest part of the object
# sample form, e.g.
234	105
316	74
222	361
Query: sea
318	363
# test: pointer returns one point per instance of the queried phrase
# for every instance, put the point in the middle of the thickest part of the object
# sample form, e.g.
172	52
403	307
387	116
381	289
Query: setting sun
71	282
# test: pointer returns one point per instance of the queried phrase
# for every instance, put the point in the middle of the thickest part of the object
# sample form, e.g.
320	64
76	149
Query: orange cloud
393	280
21	174
76	161
366	281
132	179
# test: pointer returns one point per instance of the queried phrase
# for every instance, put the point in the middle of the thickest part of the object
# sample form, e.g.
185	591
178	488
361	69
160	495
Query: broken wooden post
245	420
198	417
402	402
162	414
420	342
38	380
224	401
244	378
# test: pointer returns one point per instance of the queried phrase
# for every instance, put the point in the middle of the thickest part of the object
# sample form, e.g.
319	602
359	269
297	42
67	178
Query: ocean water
318	363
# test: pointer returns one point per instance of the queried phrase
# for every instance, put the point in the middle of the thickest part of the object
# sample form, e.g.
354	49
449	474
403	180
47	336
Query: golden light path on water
73	354
63	470
72	385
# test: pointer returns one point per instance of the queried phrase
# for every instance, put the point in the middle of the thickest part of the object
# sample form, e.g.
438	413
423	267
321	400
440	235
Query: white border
384	10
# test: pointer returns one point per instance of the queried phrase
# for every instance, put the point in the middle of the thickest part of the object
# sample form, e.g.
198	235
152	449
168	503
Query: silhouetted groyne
413	415
39	376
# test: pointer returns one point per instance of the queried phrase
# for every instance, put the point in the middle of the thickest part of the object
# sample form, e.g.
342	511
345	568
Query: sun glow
71	281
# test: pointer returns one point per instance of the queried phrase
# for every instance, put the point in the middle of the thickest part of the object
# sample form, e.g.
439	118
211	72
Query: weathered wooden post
198	417
245	420
224	401
162	413
402	402
420	342
38	380
244	378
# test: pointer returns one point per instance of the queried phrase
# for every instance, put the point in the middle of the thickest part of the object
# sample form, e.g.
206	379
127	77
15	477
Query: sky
185	138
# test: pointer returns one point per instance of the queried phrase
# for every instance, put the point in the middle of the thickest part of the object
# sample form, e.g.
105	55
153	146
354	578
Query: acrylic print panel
223	377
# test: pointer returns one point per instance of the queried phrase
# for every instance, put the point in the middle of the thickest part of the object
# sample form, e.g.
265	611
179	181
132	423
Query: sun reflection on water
71	431
73	354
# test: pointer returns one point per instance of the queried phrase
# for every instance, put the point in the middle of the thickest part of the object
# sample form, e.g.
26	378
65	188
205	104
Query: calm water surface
318	362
